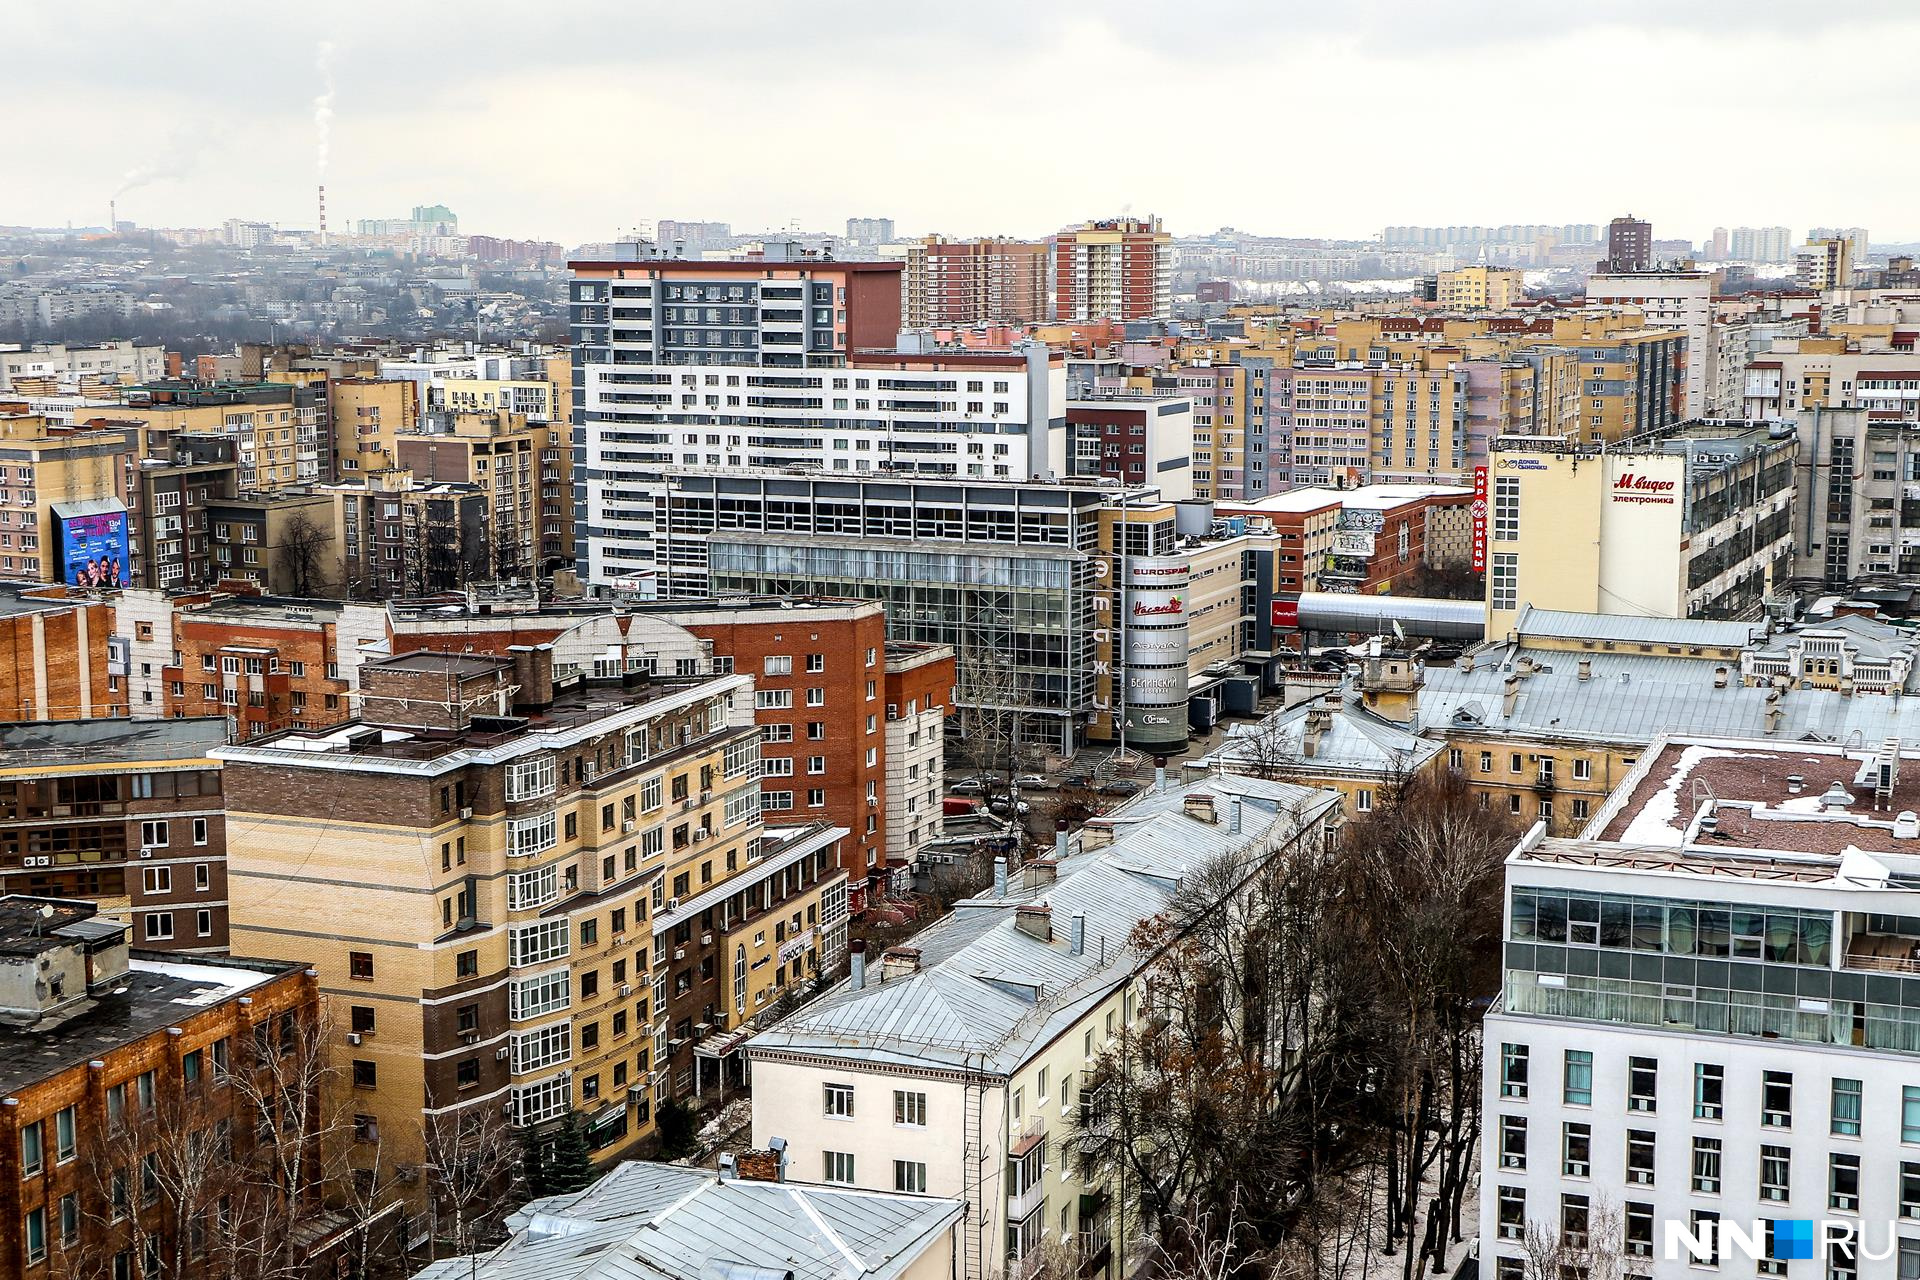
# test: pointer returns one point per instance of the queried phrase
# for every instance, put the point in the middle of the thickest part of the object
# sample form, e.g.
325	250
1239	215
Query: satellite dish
46	911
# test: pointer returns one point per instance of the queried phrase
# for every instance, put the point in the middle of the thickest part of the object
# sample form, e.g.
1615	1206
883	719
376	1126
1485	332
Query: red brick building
113	1063
126	814
56	662
819	679
268	663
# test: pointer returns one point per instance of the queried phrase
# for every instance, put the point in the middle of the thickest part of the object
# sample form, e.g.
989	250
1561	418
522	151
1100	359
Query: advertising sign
94	550
1479	519
1286	612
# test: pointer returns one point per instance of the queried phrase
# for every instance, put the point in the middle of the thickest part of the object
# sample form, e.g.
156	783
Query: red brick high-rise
1115	269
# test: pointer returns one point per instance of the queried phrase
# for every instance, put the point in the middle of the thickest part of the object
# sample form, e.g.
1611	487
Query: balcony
1883	952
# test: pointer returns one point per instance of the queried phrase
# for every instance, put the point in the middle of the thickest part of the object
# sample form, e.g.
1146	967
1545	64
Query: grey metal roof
1557	624
987	995
1637	697
646	1221
1870	639
1354	741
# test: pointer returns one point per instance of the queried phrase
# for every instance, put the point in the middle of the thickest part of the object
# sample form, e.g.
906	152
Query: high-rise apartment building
1671	300
275	427
709	366
680	235
1113	269
1704	1039
497	453
870	230
1824	264
397	537
555	890
975	282
366	414
1761	244
1629	245
62	649
1858	241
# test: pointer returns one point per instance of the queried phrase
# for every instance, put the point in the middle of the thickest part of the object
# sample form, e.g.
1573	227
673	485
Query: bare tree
1588	1243
304	551
988	704
1259	751
1421	899
471	1158
1219	1106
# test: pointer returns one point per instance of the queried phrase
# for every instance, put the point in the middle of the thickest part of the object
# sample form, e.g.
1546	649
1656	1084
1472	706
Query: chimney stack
857	959
1034	921
1586	668
1000	877
1199	807
1077	937
899	962
1060	840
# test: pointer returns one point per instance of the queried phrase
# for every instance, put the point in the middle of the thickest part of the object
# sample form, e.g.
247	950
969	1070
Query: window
1641	1078
199	830
1573	1220
63	1135
537	943
1639	1229
777	665
360	964
1576	1150
1846	1109
528	836
1512	1213
910	1109
541	993
1706	1165
1513	1142
36	1236
1776	1173
534	888
158	926
365	1074
1776	1099
1709	1083
33	1149
1910	1114
530	779
1705	1225
153	834
1504	581
816	663
1578	1078
1843	1182
1506	509
839	1101
838	1168
770	699
1640	1151
1513	1071
909	1175
816	697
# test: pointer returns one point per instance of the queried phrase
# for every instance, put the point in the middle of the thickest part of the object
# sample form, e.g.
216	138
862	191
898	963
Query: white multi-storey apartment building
784	364
1711	1018
955	1066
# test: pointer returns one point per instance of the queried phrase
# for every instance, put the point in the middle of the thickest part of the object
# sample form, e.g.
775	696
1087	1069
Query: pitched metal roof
1353	741
1557	624
986	995
646	1221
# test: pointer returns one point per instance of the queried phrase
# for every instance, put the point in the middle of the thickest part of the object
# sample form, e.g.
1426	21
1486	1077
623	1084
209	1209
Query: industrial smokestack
323	214
113	216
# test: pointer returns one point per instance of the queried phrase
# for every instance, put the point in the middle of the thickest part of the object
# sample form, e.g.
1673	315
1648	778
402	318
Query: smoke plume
323	107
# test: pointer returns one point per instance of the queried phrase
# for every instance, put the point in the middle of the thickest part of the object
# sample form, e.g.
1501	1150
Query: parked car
1119	787
1000	805
1036	782
968	787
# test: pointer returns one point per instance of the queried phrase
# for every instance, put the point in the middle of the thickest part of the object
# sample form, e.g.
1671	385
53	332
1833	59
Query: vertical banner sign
1479	519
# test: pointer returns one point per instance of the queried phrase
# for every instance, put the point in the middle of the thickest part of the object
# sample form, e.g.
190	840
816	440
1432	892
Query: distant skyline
575	121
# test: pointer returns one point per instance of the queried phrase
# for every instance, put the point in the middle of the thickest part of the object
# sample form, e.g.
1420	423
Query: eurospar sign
1793	1239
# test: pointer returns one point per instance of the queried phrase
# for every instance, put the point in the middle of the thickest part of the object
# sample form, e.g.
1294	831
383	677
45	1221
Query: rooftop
1622	628
646	1221
112	743
986	994
156	993
1346	738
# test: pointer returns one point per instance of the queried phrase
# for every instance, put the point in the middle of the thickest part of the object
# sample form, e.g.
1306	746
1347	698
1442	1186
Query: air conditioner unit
468	1037
466	812
353	1037
700	835
706	939
679	953
629	826
626	989
146	852
503	1053
673	904
705	796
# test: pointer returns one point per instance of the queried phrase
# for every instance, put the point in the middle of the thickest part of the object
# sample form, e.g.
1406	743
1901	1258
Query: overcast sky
572	121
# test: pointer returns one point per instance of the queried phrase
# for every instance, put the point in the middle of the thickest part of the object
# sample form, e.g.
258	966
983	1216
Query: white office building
1711	1018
